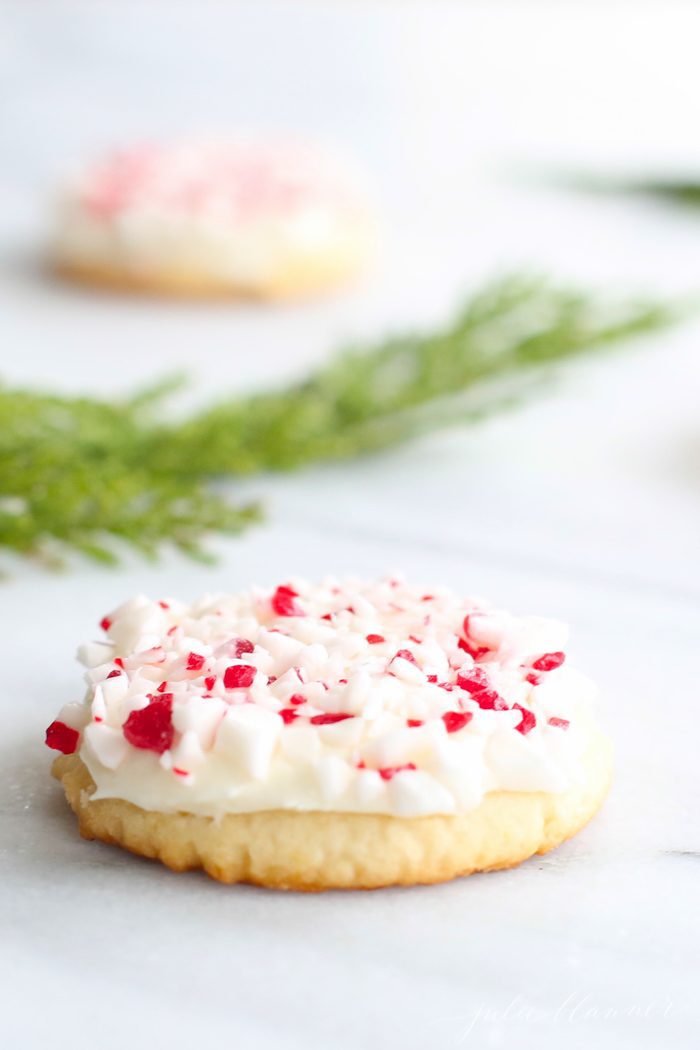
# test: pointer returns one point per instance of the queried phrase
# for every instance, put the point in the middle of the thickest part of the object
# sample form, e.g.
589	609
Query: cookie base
321	850
302	278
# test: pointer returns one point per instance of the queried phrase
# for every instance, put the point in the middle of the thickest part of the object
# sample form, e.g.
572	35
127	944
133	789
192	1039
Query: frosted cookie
239	218
344	734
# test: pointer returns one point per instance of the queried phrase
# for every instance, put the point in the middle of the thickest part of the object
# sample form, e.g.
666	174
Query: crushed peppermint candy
549	662
238	179
151	727
318	696
61	737
239	676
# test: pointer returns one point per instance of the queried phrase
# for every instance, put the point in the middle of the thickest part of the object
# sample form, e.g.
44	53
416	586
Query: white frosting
236	212
315	655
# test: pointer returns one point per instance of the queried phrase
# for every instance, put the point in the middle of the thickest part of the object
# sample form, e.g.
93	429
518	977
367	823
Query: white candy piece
187	754
92	654
108	745
248	735
300	743
74	715
201	716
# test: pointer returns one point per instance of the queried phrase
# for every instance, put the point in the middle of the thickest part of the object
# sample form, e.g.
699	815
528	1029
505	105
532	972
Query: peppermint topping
456	720
151	728
388	772
61	737
242	646
341	695
527	721
559	723
329	719
284	602
231	180
473	681
549	662
239	676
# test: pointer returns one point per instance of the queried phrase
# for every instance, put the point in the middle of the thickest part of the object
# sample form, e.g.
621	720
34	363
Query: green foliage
89	475
684	192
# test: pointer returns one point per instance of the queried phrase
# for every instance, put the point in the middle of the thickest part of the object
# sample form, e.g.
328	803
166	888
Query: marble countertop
584	505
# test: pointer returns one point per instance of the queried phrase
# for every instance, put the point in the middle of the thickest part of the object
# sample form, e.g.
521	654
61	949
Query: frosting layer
345	696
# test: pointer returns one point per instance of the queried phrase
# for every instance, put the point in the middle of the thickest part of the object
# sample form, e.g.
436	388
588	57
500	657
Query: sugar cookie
344	734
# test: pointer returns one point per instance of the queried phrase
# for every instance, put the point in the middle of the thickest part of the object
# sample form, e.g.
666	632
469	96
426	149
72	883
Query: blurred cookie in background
271	219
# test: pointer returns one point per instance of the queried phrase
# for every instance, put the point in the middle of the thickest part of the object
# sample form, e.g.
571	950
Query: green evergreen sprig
89	475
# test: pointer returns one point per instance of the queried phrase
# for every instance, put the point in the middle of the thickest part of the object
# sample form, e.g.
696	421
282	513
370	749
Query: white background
584	505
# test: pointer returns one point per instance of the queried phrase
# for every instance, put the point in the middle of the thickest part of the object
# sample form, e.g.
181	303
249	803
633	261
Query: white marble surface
584	505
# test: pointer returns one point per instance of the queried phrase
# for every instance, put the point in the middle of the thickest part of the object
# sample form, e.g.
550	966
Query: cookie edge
314	850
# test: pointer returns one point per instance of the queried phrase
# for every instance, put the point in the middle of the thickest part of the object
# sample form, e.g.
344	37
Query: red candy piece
105	623
432	678
456	720
413	722
240	676
61	737
490	700
375	639
284	604
329	719
473	681
241	646
210	682
405	654
114	674
477	684
559	723
549	661
118	661
164	605
288	714
162	687
390	771
151	728
528	720
532	678
476	652
195	662
297	698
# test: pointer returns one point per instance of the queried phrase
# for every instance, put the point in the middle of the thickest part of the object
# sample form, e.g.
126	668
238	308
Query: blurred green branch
84	474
